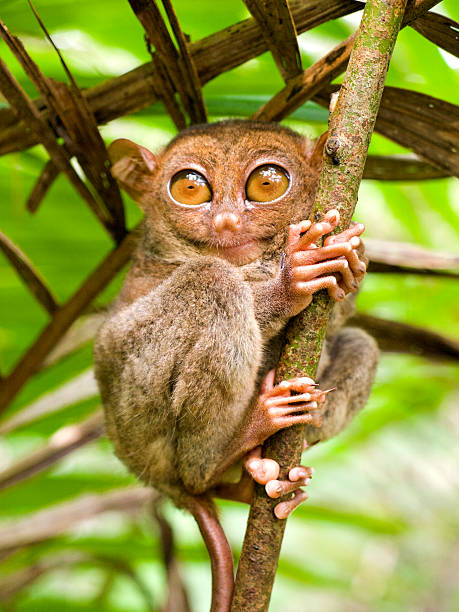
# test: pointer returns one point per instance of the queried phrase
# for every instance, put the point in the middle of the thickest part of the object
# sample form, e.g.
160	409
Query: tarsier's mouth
239	254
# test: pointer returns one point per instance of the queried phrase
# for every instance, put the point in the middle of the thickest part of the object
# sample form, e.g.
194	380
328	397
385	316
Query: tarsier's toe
262	470
284	509
299	476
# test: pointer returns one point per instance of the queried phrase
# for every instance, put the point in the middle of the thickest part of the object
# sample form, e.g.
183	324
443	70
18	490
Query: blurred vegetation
381	528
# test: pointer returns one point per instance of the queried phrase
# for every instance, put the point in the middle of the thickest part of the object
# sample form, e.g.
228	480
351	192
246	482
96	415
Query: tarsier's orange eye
267	183
190	187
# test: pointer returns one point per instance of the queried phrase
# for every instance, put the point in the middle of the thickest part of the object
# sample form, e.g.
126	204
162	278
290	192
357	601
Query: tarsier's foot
265	472
338	266
291	402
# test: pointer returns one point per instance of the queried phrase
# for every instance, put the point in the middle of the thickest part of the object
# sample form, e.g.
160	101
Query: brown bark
278	29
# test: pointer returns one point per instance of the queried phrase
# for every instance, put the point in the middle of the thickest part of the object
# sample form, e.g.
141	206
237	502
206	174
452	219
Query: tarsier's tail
219	550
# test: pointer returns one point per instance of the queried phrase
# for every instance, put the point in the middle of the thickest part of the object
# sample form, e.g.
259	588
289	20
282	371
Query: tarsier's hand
338	266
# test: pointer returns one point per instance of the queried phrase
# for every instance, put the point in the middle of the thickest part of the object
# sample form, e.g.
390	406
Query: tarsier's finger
312	256
316	231
285	508
299	472
300	384
285	409
327	282
341	266
262	470
297	419
290	399
357	266
295	231
354	230
267	383
278	488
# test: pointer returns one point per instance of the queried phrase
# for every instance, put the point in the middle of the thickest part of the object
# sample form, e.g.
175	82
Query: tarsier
185	360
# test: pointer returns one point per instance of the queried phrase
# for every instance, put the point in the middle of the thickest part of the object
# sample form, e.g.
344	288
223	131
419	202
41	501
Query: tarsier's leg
274	409
353	356
280	408
215	374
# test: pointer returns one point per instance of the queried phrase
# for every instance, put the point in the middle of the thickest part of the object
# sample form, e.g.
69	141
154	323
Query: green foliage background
380	531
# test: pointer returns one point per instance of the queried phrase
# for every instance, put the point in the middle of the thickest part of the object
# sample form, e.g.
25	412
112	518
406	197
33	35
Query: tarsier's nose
227	221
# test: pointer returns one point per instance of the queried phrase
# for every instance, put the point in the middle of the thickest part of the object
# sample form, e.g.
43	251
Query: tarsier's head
227	188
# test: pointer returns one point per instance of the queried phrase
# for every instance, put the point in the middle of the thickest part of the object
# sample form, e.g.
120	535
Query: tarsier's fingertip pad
269	470
253	464
298	473
355	242
332	215
273	489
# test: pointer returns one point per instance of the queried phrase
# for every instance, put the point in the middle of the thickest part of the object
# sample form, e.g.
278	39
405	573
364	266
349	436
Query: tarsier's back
226	257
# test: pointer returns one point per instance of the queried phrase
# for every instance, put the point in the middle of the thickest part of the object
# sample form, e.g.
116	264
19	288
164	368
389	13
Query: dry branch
278	29
212	55
27	272
301	88
47	177
28	113
304	86
63	318
351	125
50	523
177	596
165	59
194	100
72	119
81	387
440	30
177	66
417	121
64	441
409	256
394	336
400	168
79	334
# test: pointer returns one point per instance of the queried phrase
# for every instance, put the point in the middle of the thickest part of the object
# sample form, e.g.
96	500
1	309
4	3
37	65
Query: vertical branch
351	125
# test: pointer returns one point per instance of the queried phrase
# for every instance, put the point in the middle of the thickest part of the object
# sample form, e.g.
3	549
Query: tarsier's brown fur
197	324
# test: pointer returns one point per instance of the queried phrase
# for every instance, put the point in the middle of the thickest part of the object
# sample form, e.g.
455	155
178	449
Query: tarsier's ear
316	155
132	166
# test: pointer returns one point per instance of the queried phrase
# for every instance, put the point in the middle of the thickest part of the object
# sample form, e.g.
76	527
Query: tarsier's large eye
267	183
190	187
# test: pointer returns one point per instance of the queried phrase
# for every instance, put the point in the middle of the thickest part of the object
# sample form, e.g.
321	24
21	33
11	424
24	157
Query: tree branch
64	316
27	271
397	337
212	55
64	441
278	29
351	125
